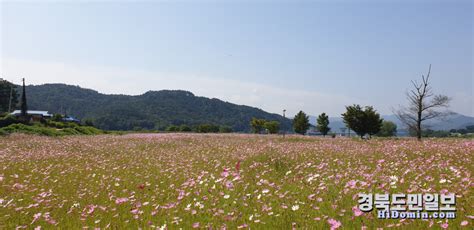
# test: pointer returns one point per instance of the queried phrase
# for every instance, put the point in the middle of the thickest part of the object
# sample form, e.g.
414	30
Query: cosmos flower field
174	181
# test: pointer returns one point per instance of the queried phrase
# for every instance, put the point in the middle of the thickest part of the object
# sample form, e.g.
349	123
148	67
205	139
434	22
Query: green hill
152	110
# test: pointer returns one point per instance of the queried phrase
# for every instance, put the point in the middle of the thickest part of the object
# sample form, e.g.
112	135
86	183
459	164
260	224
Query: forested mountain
152	110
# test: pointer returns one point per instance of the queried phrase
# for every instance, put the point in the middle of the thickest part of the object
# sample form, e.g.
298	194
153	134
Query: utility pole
284	120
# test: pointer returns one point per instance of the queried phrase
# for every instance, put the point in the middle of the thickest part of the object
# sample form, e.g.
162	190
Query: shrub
57	117
185	128
87	130
272	126
3	133
39	129
207	128
172	128
8	120
21	128
70	131
225	129
88	122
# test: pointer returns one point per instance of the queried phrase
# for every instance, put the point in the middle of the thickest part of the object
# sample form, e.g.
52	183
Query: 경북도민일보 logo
409	206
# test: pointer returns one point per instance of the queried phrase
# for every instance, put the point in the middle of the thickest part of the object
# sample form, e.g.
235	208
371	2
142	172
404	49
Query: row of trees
301	123
202	128
423	105
364	121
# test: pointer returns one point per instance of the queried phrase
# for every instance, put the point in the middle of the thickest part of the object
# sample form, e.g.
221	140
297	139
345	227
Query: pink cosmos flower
242	226
18	186
49	219
90	209
121	200
36	217
334	223
357	211
351	184
229	185
225	173
196	225
445	225
464	223
181	195
236	176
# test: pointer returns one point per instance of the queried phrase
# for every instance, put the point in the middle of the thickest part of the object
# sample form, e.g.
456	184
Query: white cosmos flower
295	207
163	227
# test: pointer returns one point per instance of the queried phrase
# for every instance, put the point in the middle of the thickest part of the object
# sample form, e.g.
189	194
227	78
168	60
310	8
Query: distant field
196	181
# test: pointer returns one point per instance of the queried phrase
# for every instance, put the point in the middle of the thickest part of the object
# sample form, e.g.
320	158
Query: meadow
223	181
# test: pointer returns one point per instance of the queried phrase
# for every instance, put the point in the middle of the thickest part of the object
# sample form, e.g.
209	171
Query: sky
315	56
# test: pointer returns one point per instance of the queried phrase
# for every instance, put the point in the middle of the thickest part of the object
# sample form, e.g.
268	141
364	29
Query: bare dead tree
422	105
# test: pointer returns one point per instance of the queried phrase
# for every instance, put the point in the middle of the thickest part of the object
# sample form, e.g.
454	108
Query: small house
35	115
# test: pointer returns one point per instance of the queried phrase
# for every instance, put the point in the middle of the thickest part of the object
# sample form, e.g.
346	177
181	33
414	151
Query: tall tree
23	106
257	125
301	123
372	121
8	96
362	121
353	119
323	124
388	129
272	126
423	105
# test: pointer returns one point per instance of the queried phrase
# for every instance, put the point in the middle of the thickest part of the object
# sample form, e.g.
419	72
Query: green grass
40	129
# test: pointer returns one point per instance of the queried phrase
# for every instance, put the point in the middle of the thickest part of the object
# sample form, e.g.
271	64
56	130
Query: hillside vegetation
152	110
10	124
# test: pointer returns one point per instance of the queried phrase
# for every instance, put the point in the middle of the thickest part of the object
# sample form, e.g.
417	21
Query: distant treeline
468	131
152	111
203	128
